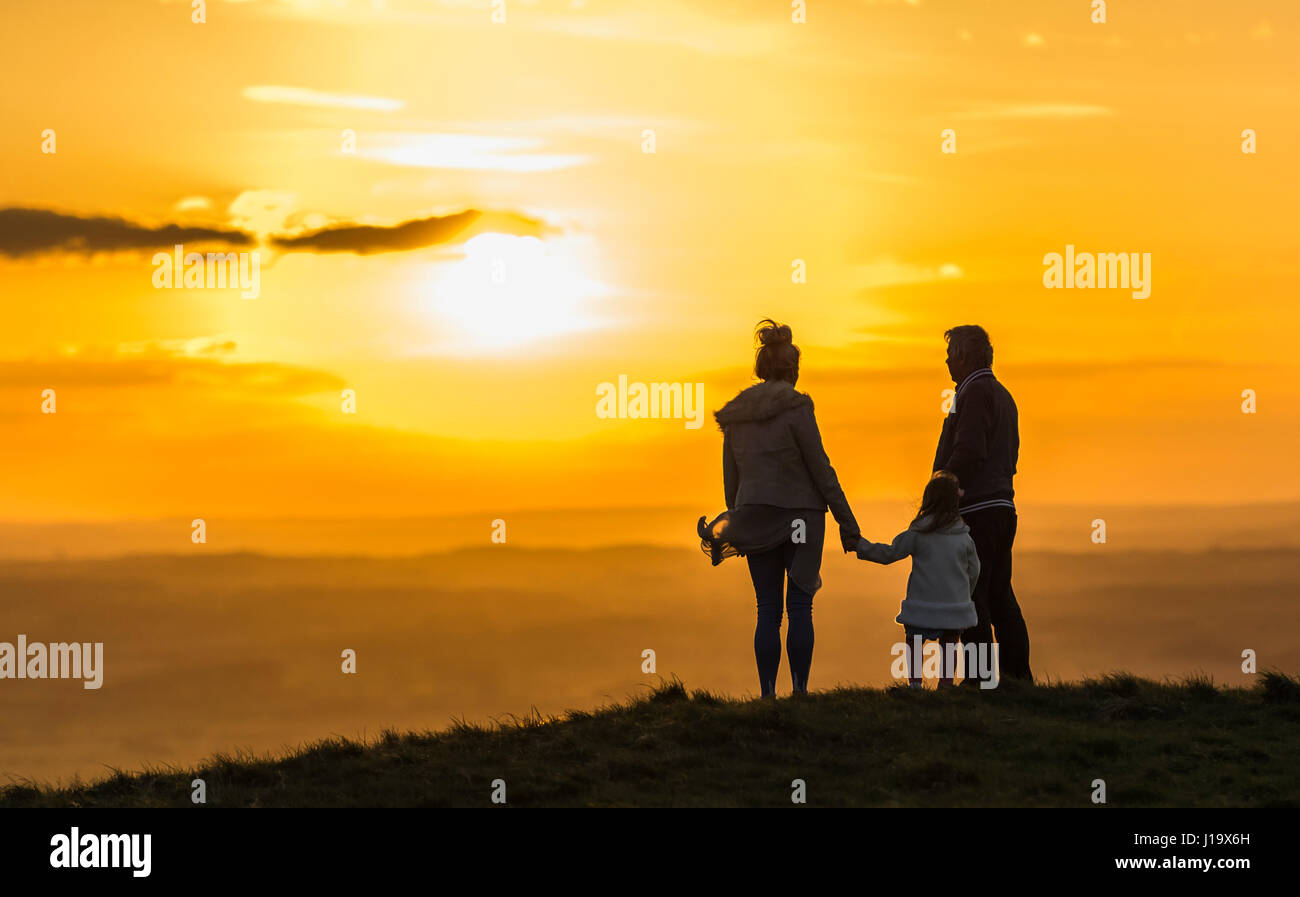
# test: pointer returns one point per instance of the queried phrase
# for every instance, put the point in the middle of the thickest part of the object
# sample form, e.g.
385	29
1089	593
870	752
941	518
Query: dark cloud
26	232
31	231
365	239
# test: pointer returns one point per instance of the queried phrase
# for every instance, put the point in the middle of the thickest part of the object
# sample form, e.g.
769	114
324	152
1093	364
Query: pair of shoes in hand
710	545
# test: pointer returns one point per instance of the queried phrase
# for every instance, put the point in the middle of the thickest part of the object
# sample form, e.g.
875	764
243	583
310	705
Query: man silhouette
980	445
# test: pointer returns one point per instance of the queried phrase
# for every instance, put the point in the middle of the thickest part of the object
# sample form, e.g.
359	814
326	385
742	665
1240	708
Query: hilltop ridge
1185	743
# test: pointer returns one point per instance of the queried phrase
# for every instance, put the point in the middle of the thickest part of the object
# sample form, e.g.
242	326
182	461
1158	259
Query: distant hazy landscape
1042	527
212	650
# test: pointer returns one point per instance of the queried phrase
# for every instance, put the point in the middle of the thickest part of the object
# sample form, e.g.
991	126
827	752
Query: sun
510	291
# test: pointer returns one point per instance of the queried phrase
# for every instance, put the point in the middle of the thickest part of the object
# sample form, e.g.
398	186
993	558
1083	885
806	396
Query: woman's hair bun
773	334
777	354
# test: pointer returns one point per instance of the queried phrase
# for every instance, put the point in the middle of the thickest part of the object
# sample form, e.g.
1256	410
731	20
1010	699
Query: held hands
849	539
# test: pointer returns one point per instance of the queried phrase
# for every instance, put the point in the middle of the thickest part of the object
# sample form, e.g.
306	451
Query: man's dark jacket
980	442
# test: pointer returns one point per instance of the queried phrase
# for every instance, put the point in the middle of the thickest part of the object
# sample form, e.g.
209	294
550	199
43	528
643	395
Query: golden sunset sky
774	141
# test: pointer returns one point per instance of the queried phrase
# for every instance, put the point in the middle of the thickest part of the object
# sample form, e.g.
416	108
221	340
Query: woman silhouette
778	484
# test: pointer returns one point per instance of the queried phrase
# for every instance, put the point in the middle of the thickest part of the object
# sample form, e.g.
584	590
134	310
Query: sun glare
510	291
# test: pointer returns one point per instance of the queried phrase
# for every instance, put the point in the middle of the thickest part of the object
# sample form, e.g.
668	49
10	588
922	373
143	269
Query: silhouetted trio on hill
778	483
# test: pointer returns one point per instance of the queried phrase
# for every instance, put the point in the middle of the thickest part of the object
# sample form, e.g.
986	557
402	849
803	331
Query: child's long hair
939	502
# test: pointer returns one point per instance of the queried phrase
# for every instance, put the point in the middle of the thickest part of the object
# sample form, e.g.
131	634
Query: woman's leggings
768	571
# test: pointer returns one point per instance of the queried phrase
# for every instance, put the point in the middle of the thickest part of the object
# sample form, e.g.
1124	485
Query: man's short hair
973	342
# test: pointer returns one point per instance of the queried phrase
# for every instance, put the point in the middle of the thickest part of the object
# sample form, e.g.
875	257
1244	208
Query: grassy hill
1186	743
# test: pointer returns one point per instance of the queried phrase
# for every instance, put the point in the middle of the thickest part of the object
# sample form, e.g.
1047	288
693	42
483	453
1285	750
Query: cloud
26	232
193	204
305	96
1034	110
467	152
366	239
262	211
161	365
888	177
199	347
721	27
887	272
845	372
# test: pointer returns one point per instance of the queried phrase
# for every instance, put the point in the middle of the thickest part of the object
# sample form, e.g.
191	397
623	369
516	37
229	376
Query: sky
458	220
